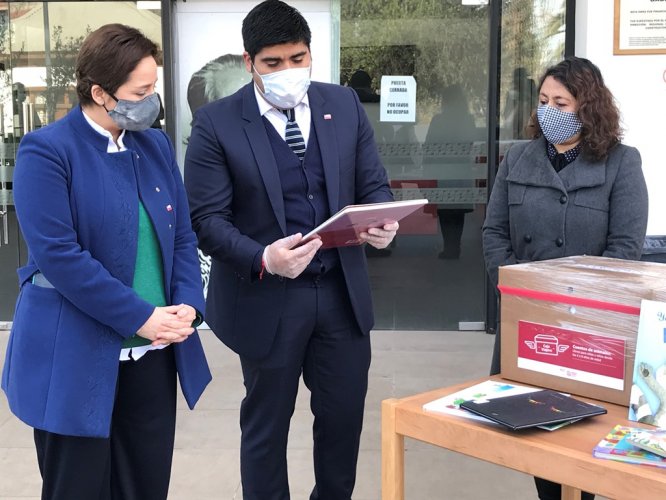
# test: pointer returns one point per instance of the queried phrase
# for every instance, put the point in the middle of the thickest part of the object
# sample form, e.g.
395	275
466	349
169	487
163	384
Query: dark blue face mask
135	115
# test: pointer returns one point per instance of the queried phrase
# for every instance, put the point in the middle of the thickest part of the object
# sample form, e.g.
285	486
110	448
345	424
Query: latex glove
380	237
281	258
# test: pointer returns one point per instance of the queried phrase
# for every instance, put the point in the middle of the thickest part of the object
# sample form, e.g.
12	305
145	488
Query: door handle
5	226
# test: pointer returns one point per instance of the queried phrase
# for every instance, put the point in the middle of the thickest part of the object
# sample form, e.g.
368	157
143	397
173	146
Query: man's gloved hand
380	237
282	259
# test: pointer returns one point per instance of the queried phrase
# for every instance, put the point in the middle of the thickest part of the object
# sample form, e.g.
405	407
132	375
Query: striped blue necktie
293	136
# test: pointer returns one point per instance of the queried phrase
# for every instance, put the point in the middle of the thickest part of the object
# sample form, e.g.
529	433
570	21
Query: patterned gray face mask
557	126
135	115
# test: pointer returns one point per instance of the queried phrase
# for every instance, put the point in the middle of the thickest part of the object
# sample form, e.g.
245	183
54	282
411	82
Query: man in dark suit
263	167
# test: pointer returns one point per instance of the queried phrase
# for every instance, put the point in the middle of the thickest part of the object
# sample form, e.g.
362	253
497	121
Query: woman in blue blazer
112	288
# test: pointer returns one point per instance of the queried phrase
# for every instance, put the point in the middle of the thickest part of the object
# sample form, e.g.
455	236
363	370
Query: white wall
639	85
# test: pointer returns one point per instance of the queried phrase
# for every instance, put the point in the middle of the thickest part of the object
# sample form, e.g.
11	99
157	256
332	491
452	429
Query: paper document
484	391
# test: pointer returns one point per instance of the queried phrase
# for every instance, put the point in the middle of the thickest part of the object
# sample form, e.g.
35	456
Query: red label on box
591	358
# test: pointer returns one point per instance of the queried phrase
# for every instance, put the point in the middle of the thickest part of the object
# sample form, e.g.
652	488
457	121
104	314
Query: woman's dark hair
107	57
597	110
271	23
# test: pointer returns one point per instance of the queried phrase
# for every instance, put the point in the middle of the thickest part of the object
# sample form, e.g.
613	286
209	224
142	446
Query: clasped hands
284	258
169	324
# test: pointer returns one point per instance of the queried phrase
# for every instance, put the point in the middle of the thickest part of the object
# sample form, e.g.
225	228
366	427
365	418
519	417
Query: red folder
343	228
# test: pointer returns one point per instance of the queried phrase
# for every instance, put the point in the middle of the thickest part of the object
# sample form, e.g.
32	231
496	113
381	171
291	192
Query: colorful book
647	403
616	446
650	440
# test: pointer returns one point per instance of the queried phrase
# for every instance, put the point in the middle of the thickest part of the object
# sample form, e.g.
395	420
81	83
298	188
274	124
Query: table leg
393	454
570	493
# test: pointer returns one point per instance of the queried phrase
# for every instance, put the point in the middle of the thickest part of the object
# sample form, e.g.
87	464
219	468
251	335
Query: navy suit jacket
237	208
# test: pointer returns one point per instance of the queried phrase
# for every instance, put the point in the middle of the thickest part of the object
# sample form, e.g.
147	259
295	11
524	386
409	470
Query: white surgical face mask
285	89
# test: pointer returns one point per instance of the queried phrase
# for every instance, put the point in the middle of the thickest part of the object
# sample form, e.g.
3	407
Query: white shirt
279	120
113	147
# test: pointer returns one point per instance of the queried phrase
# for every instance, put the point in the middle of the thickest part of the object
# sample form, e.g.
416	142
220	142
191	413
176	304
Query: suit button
310	197
563	199
527	238
559	242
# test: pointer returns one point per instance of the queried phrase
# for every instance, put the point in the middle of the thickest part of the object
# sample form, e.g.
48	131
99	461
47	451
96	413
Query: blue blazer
237	208
77	206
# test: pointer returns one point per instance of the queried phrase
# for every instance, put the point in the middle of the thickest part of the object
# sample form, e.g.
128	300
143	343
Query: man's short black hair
271	23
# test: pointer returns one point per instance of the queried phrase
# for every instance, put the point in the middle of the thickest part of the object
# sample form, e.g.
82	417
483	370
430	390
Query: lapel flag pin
327	116
169	208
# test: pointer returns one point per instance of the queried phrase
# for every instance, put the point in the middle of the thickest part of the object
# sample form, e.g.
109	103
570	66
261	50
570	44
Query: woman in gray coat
573	190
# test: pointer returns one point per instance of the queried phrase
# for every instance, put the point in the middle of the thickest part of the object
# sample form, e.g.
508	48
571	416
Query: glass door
39	42
532	38
11	247
421	71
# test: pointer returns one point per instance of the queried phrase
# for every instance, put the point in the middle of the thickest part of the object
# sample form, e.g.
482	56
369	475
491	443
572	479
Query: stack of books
515	407
653	441
634	445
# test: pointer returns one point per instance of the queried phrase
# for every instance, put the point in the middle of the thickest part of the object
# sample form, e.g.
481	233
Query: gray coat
591	208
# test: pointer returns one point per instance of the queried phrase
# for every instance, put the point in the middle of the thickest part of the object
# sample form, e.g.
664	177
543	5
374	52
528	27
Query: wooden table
564	456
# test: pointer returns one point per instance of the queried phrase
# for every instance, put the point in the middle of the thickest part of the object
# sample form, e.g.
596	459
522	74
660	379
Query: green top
148	273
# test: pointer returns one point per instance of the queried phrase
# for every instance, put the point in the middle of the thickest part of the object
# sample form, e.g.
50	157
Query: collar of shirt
112	147
279	120
561	160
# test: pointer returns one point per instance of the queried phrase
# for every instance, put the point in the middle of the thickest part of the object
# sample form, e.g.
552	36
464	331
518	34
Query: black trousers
549	490
134	463
319	338
451	223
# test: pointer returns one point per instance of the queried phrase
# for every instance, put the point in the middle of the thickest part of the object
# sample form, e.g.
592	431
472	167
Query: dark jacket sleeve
497	248
210	190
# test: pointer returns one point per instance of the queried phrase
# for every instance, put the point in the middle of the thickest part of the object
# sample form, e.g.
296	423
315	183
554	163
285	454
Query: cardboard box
570	324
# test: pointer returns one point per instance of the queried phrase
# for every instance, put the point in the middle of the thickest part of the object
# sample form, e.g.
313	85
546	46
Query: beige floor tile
204	474
207	430
206	459
225	391
368	471
19	474
15	434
